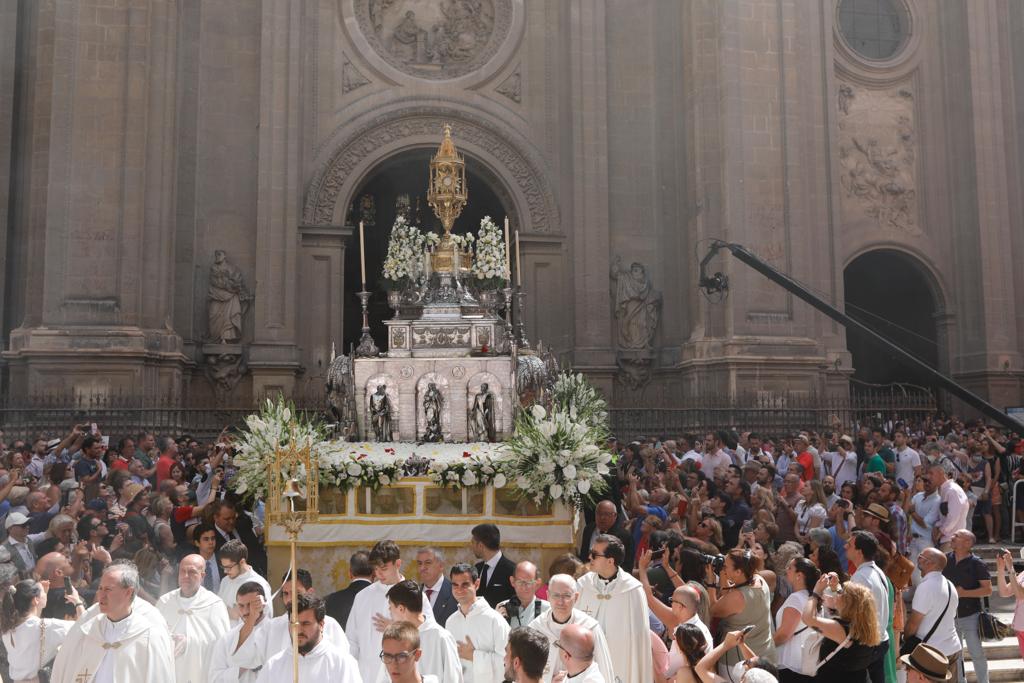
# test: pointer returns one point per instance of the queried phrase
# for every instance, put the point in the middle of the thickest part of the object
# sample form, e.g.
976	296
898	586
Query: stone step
1006	648
1010	670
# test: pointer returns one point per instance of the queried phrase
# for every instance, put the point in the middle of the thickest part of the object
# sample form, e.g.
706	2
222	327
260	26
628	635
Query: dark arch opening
404	174
889	292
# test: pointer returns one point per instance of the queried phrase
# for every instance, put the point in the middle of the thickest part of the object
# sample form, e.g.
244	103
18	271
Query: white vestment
277	635
440	658
196	624
229	589
620	606
488	632
322	664
232	664
592	674
134	649
547	625
363	637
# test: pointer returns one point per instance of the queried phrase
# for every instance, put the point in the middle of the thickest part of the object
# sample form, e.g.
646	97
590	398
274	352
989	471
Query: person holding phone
740	597
32	641
1012	586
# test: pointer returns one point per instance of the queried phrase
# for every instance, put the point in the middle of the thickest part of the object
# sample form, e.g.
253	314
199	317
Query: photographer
740	597
524	606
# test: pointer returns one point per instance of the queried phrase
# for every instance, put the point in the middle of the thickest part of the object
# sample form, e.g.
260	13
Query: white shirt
433	591
676	660
927	507
844	467
712	461
906	461
868	574
592	674
488	632
22	645
491	564
930	599
229	588
958	508
692	455
790	653
806	514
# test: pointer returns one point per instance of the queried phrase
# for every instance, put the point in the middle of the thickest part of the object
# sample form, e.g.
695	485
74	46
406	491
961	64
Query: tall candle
508	255
362	257
519	262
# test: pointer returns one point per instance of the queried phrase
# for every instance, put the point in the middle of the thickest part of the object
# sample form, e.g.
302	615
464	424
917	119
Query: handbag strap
841	646
949	597
42	641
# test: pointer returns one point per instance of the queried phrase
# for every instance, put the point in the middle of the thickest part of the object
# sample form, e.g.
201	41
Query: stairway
1004	660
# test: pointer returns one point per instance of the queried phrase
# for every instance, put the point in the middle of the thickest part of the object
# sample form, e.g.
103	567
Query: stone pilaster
8	62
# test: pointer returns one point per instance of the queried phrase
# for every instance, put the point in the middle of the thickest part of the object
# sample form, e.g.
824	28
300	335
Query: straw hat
929	662
878	512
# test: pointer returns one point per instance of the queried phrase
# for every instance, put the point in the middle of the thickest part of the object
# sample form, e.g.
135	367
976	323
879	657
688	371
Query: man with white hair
197	619
118	644
563	592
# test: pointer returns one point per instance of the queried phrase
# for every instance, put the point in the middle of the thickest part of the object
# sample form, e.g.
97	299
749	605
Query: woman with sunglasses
740	597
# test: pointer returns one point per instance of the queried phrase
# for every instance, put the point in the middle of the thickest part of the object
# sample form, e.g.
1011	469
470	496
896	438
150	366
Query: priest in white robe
480	633
231	662
119	644
563	592
197	619
369	615
576	648
439	655
617	601
276	636
319	660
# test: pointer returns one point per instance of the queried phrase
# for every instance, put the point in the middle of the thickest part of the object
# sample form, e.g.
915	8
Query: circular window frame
903	53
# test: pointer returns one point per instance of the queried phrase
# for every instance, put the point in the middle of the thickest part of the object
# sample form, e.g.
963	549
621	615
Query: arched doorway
402	180
894	294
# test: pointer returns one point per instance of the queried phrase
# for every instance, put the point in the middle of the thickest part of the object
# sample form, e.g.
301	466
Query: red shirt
806	461
119	464
163	468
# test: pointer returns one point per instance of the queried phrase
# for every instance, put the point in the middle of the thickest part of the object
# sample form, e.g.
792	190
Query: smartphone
657	553
94	428
747	527
747	629
67	585
903	483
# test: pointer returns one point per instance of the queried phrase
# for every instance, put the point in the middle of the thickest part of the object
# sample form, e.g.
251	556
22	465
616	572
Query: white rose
354	469
538	411
555	491
468	478
583	486
499	481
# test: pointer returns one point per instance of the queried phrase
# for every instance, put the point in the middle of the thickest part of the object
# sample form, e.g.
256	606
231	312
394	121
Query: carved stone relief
224	366
441	337
435	39
637	316
512	87
351	77
398	338
523	170
877	156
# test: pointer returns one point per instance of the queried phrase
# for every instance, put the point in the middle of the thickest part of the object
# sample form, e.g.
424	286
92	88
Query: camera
716	561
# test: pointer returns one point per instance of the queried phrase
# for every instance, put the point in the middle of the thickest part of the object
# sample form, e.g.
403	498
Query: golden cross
82	677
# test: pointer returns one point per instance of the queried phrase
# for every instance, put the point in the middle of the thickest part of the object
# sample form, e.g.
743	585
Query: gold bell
291	489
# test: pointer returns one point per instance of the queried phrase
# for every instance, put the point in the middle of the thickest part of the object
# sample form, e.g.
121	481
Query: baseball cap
15	519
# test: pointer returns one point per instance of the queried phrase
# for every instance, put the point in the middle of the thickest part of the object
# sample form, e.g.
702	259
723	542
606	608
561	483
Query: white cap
15	519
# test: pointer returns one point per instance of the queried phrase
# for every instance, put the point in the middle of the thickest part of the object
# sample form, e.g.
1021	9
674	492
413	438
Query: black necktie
483	577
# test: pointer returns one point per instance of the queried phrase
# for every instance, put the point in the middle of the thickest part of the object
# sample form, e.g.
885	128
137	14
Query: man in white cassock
563	592
617	601
480	632
576	648
276	636
439	655
369	615
319	660
119	644
197	619
230	661
234	560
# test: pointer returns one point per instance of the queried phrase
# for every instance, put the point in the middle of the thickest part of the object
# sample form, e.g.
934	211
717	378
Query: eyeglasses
678	602
595	554
519	583
228	567
397	658
560	597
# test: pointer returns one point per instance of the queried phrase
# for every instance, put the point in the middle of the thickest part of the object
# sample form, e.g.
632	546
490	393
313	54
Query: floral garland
354	471
556	457
472	470
489	264
405	252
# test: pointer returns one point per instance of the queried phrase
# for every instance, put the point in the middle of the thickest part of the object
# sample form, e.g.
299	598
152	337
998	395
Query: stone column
96	216
322	293
8	62
274	354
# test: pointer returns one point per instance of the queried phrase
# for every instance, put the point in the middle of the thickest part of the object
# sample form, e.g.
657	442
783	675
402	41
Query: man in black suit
495	569
606	521
360	572
232	524
435	584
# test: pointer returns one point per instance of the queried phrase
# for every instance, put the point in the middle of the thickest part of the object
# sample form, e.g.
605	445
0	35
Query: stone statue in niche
637	306
432	401
481	416
380	414
341	396
227	300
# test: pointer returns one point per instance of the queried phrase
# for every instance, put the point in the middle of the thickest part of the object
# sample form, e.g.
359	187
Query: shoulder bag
990	627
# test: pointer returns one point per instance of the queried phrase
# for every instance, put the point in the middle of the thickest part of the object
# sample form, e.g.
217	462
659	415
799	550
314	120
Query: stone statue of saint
227	300
380	414
481	416
637	306
432	414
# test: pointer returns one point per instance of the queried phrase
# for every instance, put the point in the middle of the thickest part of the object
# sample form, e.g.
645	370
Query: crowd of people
717	557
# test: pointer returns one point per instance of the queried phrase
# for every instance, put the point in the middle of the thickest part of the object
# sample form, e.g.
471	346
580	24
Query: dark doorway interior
887	291
403	174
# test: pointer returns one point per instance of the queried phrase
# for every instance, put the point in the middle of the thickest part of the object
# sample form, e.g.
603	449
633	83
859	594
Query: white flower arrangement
471	470
463	242
489	265
405	253
558	457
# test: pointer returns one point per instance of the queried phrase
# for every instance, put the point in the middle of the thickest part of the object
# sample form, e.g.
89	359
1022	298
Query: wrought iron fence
774	414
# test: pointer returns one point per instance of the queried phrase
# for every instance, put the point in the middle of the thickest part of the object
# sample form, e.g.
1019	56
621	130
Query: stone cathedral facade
139	138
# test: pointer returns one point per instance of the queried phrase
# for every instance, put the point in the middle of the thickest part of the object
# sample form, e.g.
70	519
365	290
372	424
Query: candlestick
519	262
508	254
362	257
367	348
523	342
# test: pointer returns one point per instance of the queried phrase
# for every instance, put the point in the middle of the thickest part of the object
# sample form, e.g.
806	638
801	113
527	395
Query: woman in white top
32	642
810	511
1011	586
790	633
